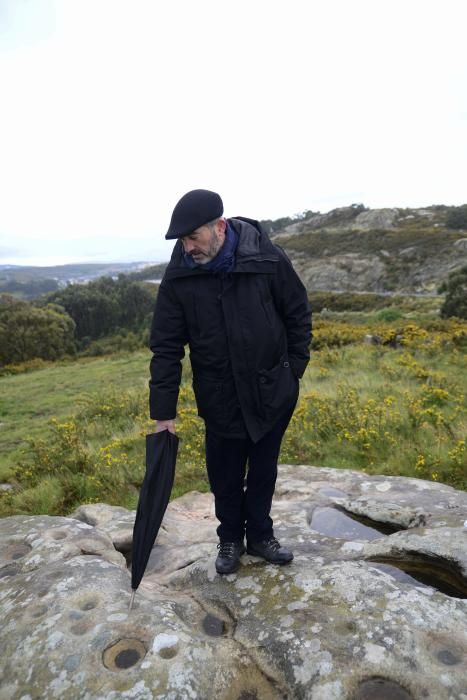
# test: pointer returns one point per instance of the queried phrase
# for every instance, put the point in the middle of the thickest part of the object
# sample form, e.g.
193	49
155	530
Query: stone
342	621
117	522
376	219
410	252
342	272
382	510
371	339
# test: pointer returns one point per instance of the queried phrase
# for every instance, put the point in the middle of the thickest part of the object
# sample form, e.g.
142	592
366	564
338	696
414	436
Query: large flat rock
373	605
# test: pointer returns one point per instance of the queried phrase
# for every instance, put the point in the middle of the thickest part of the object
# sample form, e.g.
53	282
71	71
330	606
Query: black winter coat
248	333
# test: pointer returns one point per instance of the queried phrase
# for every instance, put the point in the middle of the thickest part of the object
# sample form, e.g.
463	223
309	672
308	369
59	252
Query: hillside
375	250
31	281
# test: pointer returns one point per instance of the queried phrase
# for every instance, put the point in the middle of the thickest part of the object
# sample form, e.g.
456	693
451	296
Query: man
234	298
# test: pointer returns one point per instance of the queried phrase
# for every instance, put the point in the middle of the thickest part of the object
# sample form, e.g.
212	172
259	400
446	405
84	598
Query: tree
455	303
105	305
136	302
28	332
457	217
30	289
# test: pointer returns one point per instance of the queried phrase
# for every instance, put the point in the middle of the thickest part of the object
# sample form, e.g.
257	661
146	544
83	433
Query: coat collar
255	252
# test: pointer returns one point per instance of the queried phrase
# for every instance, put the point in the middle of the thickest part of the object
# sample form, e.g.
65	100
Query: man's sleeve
167	340
292	303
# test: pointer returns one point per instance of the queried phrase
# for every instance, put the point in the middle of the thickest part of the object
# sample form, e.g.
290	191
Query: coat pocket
217	403
208	395
278	388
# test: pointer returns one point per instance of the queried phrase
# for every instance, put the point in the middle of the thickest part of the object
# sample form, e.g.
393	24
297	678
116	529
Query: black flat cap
193	210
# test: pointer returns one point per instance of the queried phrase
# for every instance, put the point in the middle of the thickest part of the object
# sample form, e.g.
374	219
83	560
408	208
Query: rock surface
344	621
375	250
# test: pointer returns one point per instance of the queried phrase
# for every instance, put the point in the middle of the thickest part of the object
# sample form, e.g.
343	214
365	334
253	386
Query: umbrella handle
132	599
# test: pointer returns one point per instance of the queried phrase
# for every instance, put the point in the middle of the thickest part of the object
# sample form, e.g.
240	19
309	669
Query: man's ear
222	223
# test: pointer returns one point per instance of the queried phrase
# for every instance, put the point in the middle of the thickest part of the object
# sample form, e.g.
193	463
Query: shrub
389	314
65	470
28	332
339	301
121	342
457	217
105	305
455	303
44	498
26	366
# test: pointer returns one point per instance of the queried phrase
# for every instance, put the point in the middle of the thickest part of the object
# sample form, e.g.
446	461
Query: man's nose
188	245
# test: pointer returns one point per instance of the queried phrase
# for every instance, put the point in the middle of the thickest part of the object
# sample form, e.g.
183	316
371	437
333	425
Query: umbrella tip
132	599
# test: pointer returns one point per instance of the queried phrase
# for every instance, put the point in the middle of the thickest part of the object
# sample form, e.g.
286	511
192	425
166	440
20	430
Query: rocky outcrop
375	219
344	218
350	272
374	604
374	250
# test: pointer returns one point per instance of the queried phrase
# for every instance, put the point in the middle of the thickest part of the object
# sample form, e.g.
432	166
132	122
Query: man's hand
165	425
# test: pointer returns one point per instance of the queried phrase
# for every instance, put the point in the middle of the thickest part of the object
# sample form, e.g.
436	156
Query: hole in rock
399	574
39	611
127	658
429	571
58	534
75	615
125	548
123	654
88	600
447	657
57	574
341	524
16	551
381	689
248	695
168	652
9	570
447	648
128	554
80	628
213	626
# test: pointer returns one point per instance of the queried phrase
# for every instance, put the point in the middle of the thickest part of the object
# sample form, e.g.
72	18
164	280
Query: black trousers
243	509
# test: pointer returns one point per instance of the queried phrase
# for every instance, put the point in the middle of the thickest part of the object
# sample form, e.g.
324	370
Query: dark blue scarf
225	258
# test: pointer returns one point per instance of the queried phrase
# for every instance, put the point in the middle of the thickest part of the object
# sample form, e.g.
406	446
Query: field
73	432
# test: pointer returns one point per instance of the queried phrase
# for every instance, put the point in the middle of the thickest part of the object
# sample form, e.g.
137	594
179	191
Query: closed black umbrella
161	455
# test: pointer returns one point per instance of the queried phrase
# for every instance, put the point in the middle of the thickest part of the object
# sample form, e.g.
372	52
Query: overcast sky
111	110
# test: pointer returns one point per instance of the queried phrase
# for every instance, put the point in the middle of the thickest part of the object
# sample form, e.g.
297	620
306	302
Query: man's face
205	242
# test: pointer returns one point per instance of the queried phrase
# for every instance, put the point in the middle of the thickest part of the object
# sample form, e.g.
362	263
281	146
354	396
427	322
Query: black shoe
270	550
228	559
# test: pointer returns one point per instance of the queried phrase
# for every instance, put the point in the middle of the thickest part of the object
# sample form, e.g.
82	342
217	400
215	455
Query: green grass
74	432
28	400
